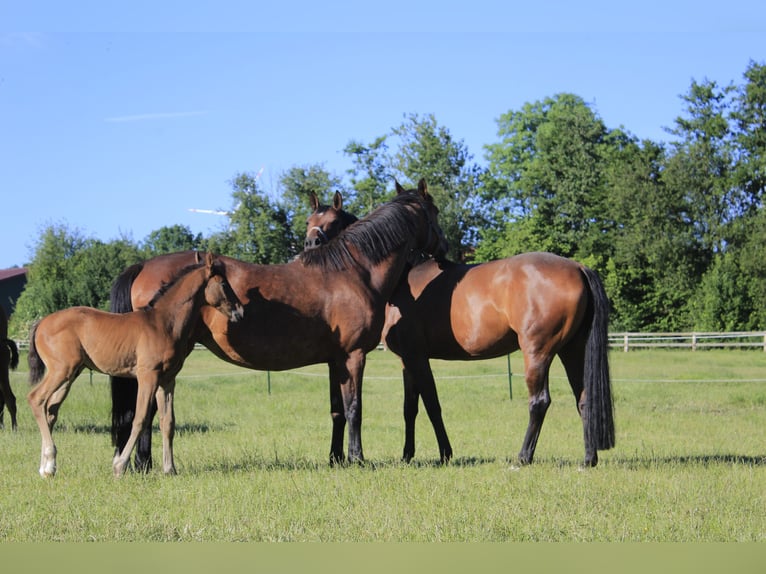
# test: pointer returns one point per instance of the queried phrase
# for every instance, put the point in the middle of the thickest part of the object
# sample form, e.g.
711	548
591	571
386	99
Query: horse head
218	292
435	243
326	221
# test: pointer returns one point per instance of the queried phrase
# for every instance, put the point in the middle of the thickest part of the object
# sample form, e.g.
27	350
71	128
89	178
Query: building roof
13	272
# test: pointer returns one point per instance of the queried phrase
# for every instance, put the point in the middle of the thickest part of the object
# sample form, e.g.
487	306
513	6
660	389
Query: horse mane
165	287
374	237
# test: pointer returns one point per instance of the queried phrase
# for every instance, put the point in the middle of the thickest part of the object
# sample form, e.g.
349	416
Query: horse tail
598	392
36	365
124	391
119	296
11	344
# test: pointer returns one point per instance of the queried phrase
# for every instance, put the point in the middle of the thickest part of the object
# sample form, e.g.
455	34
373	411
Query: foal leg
536	375
146	389
45	400
167	424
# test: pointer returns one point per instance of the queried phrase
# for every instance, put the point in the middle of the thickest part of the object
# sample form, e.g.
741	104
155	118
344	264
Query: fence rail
629	340
692	340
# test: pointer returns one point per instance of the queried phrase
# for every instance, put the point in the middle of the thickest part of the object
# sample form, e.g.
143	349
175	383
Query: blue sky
116	118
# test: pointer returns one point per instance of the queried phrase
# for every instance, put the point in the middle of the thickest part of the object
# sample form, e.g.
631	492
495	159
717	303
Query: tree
428	150
170	239
546	173
70	269
259	230
371	175
700	166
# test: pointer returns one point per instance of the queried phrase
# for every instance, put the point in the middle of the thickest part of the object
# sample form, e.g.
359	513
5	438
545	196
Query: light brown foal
149	344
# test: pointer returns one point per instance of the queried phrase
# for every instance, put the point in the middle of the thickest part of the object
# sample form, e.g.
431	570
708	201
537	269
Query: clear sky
117	117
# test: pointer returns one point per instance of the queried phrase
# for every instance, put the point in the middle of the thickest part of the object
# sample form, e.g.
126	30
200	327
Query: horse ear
197	258
209	260
313	201
423	187
399	188
337	201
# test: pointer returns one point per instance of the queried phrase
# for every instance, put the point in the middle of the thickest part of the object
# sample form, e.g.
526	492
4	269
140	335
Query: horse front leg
146	390
351	391
164	397
419	383
337	414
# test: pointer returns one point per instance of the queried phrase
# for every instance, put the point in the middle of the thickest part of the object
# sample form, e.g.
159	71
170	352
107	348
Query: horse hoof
48	471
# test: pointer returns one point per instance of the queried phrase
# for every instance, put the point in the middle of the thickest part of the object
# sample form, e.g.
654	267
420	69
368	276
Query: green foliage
370	176
259	229
69	269
170	239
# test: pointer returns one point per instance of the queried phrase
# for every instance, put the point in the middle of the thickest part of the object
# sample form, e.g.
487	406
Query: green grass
690	461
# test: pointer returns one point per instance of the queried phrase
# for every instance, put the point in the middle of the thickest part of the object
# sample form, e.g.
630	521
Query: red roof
10	273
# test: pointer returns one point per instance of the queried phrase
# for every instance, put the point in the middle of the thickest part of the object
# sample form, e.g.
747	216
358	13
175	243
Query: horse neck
180	306
386	275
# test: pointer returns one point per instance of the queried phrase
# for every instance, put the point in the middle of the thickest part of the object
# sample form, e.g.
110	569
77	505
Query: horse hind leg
45	400
536	375
7	398
573	358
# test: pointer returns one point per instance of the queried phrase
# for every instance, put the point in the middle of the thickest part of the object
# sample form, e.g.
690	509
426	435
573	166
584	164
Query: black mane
374	237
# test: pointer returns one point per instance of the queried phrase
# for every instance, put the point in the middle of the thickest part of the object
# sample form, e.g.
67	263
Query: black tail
11	344
124	391
598	392
36	365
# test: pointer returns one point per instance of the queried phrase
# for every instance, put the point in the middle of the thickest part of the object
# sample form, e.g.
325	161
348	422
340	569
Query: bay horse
150	344
540	303
326	306
9	360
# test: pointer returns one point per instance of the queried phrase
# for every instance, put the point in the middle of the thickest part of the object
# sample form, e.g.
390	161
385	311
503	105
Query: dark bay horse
9	360
540	303
326	306
150	344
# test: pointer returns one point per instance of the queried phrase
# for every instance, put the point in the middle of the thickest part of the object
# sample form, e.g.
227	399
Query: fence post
625	343
694	341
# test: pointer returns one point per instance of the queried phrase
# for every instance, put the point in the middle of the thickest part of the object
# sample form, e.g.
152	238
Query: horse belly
479	316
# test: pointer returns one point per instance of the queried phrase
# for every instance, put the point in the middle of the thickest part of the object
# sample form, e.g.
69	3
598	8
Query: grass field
690	461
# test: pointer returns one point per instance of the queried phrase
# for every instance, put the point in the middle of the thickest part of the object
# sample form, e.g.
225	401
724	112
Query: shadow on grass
253	463
691	460
92	428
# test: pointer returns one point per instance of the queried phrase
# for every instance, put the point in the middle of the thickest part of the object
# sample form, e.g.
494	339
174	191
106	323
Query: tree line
676	229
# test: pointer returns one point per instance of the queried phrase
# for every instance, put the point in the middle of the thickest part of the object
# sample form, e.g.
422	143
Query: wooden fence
631	341
693	340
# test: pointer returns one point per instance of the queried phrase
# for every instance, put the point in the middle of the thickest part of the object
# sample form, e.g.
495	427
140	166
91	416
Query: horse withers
150	344
326	306
9	360
540	303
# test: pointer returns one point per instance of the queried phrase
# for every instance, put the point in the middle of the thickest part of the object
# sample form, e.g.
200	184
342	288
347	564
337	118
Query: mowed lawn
689	465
